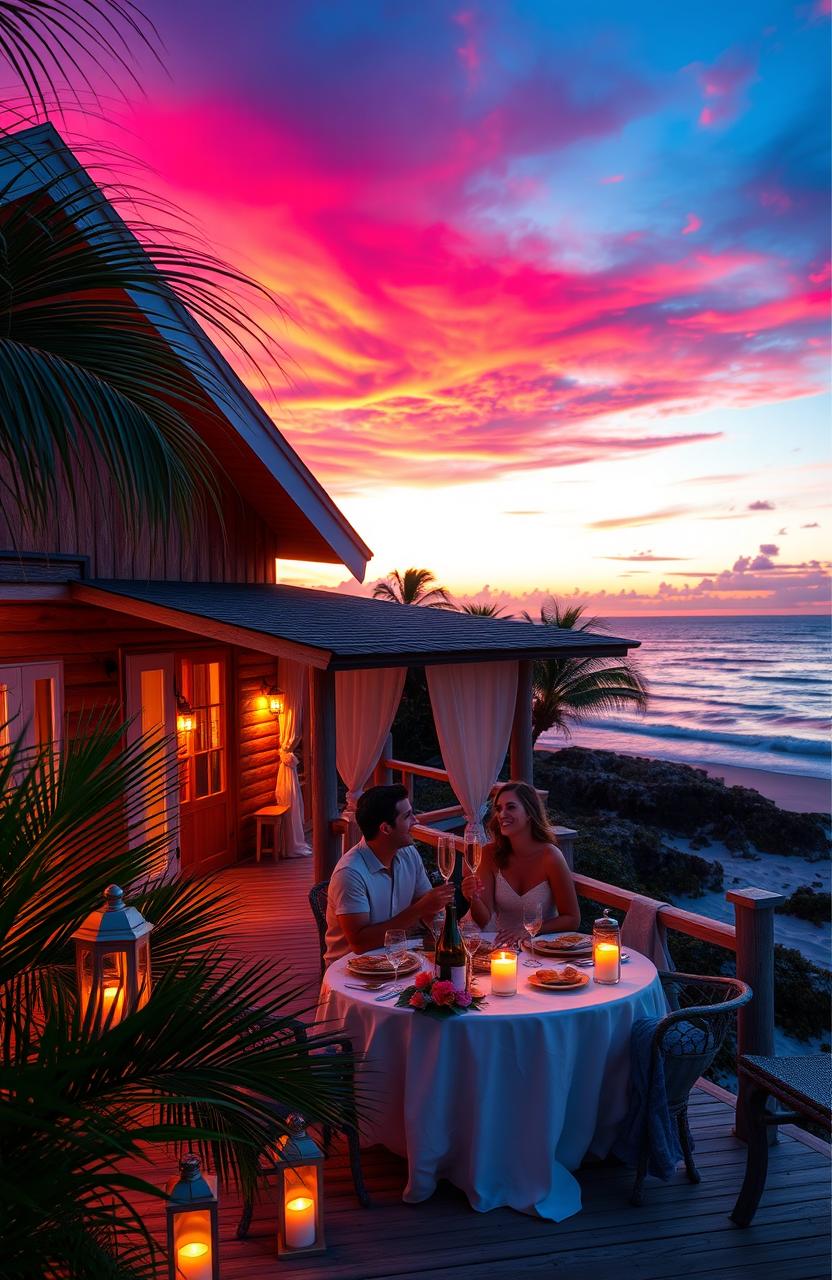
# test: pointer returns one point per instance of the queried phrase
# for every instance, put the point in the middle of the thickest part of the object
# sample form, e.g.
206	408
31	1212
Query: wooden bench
270	816
804	1085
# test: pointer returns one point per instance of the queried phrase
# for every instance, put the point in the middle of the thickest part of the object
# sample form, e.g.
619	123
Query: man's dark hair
377	805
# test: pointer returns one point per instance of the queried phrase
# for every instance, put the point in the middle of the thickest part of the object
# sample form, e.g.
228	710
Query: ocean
753	692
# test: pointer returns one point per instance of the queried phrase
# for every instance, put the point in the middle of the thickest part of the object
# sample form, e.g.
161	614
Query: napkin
643	931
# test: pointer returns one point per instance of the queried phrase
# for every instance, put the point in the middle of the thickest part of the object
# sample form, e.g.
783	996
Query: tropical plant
567	691
485	610
415	586
196	1065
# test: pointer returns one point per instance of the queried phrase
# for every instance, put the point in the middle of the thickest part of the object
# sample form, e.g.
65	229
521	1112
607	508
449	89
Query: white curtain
473	708
365	706
292	680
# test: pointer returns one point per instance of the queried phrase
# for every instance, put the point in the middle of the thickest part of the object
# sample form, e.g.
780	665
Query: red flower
418	999
463	998
443	993
422	980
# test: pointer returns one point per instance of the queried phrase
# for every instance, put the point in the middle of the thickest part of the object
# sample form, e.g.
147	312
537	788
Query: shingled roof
340	632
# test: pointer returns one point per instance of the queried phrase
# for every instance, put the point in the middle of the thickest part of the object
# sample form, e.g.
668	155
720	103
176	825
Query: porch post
521	753
325	842
754	916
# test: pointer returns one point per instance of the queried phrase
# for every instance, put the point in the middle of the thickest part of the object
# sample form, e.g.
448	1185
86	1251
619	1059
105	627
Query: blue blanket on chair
648	1118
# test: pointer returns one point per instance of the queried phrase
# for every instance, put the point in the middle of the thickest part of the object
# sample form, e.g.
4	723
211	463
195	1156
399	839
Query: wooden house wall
239	548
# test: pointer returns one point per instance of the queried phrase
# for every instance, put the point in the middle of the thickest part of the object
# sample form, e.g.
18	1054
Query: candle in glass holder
194	1260
300	1221
504	973
607	962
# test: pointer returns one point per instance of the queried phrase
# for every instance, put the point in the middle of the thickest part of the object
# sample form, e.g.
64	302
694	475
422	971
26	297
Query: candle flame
193	1250
299	1203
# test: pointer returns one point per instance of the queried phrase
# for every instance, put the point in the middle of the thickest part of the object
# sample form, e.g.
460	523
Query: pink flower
463	998
443	993
422	980
418	1000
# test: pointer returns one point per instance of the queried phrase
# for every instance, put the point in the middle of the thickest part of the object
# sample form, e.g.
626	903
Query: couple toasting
381	883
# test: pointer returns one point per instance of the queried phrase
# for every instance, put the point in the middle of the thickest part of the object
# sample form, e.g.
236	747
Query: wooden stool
271	815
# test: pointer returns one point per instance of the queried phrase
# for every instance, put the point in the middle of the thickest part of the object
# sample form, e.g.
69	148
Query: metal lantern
606	950
193	1228
112	958
300	1191
275	698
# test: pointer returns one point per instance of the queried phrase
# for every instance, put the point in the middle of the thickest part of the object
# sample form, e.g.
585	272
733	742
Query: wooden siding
258	742
681	1228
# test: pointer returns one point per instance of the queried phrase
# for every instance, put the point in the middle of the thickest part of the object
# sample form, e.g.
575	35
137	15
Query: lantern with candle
112	960
193	1233
300	1191
504	973
606	950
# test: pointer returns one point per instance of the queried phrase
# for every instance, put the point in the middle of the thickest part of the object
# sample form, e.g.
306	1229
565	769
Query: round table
504	1101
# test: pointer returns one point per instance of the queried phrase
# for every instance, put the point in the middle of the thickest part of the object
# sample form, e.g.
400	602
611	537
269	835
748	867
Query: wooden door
151	708
207	827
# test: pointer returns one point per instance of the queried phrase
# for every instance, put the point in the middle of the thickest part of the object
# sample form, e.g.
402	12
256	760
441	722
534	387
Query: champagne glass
395	944
472	855
446	856
532	923
471	939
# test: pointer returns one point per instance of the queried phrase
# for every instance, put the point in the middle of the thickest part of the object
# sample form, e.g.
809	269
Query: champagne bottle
450	951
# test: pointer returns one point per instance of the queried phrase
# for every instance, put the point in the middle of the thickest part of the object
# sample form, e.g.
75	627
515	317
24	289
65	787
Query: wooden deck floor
681	1229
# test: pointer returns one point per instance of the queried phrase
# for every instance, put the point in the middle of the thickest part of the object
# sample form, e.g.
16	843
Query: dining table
504	1101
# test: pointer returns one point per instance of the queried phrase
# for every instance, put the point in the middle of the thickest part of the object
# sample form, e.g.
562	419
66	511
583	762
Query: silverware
388	995
367	986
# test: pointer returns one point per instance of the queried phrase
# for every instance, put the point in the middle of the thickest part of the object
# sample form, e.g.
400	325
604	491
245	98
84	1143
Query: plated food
379	966
562	979
562	944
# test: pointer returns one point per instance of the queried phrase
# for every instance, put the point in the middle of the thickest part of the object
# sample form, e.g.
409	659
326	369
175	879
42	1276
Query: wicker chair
688	1039
267	1164
318	897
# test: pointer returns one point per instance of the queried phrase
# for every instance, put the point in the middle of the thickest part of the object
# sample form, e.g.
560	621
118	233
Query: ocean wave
789	679
782	744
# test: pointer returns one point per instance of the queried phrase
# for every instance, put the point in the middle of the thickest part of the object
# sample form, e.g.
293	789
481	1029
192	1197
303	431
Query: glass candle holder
504	973
606	950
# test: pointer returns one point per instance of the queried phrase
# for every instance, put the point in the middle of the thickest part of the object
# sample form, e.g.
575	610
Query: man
380	883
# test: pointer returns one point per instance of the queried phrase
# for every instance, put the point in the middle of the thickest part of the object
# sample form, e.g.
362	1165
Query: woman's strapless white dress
509	904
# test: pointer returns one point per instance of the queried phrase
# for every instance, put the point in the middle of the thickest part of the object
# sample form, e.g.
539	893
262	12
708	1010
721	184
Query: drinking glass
471	939
532	923
395	944
472	855
446	856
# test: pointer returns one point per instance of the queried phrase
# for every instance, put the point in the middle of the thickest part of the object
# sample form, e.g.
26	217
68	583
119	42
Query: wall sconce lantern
112	960
300	1192
193	1230
184	714
275	698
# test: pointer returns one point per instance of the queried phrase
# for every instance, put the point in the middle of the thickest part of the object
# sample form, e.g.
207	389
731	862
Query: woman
522	866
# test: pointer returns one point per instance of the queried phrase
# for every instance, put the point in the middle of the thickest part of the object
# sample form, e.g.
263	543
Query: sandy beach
789	791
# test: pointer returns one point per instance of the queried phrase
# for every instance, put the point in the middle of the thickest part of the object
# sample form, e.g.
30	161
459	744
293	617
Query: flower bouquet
437	998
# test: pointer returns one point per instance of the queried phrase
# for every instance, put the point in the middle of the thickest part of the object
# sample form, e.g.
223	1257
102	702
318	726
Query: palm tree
415	587
195	1064
485	610
568	690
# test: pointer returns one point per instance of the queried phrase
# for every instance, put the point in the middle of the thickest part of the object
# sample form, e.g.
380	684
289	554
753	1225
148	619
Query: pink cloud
693	224
614	177
724	87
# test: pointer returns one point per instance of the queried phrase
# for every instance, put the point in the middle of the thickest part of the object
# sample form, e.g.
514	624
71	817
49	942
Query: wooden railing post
521	751
566	842
325	842
382	775
754	916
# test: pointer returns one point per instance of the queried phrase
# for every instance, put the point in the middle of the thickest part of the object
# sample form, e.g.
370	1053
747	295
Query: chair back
318	899
690	1037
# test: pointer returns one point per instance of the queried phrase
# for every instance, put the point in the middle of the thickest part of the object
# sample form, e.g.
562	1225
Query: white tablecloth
505	1101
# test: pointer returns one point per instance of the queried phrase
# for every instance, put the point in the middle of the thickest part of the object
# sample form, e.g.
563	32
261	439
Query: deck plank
680	1227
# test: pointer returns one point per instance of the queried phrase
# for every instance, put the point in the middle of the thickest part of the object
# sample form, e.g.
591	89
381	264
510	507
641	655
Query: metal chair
688	1040
267	1162
318	898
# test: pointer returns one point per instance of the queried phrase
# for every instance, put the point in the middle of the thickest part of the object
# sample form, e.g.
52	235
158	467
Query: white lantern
300	1191
193	1228
112	959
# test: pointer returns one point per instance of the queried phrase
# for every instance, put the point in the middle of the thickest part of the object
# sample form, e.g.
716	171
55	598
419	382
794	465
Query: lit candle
111	1007
194	1259
504	973
300	1222
607	961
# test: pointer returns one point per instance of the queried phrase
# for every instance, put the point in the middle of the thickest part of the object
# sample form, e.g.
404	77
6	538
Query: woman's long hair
539	824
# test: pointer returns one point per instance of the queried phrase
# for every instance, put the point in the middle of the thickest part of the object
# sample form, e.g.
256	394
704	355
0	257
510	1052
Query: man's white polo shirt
361	884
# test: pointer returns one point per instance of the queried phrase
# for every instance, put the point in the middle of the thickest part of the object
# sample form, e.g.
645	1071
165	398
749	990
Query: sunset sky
557	276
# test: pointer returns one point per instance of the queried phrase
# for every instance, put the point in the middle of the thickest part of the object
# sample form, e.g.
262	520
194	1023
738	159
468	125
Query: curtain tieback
288	758
352	800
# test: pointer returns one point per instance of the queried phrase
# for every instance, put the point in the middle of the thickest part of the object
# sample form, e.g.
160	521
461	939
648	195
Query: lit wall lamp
275	698
184	714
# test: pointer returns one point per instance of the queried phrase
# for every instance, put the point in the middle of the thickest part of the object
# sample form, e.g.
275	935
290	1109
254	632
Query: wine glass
446	856
532	923
471	939
395	944
472	854
435	924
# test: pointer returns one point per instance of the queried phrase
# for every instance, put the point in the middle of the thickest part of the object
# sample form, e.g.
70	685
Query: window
202	744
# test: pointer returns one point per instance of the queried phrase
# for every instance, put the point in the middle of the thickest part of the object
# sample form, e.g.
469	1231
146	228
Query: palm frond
413	587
